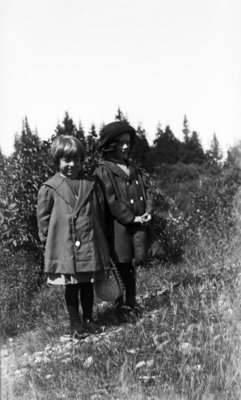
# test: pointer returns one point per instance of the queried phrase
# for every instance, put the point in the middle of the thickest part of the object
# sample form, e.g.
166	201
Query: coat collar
59	184
115	169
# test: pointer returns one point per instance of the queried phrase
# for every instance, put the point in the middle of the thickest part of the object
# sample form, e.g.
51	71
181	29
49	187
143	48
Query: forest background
197	219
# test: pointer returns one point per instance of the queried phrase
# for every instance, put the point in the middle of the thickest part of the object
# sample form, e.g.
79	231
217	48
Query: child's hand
146	218
138	220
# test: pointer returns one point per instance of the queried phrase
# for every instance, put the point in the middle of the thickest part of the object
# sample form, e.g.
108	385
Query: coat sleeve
148	194
44	209
99	201
118	209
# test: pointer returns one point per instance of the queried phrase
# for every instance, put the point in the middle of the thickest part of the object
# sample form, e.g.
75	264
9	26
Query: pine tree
194	151
80	135
24	172
234	155
120	116
141	150
67	128
191	150
27	143
166	147
214	154
185	130
91	140
2	158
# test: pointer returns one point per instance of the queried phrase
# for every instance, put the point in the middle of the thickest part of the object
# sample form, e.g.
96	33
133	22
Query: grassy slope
186	346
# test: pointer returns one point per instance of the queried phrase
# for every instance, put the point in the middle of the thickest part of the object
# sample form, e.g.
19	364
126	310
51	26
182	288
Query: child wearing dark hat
129	207
70	228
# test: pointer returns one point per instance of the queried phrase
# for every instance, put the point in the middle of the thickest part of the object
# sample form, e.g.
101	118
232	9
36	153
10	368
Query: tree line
165	149
23	172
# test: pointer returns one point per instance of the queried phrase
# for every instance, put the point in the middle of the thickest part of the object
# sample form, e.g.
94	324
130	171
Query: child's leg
121	267
87	299
130	286
129	311
127	274
72	304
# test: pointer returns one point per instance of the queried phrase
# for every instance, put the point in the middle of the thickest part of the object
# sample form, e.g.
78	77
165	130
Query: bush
23	174
20	277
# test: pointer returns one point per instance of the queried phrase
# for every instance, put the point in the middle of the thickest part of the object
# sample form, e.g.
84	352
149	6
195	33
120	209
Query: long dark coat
126	197
71	229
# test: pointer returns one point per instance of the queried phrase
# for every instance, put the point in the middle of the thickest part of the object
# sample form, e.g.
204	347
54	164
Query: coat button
137	182
131	201
77	243
141	198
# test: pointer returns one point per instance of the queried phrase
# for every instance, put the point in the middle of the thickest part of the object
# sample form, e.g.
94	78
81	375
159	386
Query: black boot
122	310
136	310
125	311
76	327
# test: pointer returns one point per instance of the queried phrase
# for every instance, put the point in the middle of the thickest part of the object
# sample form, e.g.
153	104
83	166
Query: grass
186	346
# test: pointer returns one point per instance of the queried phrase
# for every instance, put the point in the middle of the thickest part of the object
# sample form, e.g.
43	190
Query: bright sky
155	59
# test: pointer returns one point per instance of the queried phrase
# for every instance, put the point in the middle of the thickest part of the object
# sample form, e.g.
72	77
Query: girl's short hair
66	146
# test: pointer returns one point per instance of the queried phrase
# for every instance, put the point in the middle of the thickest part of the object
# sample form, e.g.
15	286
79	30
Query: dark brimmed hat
114	129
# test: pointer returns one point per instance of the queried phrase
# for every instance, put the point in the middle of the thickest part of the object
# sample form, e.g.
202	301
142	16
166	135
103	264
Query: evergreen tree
193	151
120	116
2	158
67	128
234	156
80	135
26	144
91	140
24	172
166	147
214	154
185	130
142	151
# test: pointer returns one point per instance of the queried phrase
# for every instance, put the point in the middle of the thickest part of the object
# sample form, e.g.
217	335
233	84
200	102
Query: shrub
20	278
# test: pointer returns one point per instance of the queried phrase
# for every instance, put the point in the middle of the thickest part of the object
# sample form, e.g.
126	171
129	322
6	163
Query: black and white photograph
120	199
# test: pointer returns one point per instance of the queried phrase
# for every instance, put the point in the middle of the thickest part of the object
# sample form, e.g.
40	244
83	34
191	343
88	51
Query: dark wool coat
71	229
126	197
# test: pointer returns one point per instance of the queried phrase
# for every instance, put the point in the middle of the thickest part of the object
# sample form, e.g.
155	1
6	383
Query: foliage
214	154
89	142
142	151
191	151
120	115
186	130
191	199
20	277
187	344
166	148
67	127
22	176
234	156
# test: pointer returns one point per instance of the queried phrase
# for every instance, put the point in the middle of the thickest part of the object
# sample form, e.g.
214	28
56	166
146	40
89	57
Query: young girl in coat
70	227
129	206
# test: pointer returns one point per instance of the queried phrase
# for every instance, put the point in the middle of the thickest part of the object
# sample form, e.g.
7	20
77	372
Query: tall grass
187	345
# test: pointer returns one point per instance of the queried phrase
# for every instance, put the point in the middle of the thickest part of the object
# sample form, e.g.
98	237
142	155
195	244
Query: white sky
156	59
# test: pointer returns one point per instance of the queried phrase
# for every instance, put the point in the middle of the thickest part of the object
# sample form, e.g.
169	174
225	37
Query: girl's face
122	148
69	166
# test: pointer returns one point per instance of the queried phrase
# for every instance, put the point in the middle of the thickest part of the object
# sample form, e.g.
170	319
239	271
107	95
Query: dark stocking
87	299
127	274
72	304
